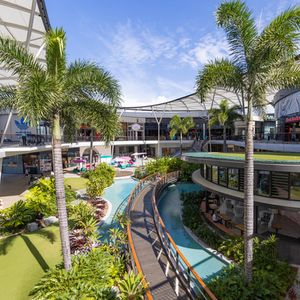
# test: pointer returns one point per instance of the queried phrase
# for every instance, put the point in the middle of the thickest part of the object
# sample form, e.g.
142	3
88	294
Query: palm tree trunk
91	147
60	192
180	143
249	201
224	138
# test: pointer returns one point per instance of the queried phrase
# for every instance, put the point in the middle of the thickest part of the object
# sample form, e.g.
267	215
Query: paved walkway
148	248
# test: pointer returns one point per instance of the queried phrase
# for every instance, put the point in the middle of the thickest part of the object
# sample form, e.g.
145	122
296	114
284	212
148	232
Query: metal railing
185	273
135	264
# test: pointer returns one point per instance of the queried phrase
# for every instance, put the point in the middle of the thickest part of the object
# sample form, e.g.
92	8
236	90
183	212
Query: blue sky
153	47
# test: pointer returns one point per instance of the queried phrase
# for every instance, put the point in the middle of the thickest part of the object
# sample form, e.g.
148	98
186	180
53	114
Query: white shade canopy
192	102
25	21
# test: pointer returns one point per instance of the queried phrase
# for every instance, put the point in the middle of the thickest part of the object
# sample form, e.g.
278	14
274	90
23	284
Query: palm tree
259	60
62	94
180	126
225	116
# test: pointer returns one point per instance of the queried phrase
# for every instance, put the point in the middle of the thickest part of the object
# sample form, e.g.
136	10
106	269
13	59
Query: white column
1	164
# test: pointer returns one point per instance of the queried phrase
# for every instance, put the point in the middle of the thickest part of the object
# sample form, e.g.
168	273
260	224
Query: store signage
136	127
292	119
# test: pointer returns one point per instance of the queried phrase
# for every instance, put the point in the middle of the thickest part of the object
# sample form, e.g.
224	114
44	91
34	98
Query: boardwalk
147	245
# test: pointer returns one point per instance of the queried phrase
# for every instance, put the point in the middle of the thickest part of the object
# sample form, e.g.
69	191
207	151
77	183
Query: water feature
116	194
205	263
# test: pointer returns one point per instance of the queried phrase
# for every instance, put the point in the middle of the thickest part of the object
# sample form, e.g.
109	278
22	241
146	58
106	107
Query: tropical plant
180	126
41	197
16	216
95	186
131	287
224	116
81	212
92	277
62	94
259	60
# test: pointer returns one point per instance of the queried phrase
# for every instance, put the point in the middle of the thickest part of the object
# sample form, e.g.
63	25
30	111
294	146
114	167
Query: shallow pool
116	194
204	262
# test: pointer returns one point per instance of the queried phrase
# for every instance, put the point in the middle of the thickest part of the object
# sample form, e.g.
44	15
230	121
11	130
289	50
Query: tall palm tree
224	116
62	94
180	126
258	60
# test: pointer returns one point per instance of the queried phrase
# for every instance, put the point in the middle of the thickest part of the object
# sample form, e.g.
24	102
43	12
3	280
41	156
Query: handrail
195	284
135	262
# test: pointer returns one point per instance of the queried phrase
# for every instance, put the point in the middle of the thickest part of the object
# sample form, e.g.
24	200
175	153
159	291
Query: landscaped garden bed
272	278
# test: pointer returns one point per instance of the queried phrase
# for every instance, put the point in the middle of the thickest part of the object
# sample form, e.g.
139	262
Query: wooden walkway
148	248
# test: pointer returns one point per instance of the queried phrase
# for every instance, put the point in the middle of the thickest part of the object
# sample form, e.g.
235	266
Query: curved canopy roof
192	102
26	21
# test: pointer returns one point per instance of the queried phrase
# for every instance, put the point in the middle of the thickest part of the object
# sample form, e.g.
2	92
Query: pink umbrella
78	160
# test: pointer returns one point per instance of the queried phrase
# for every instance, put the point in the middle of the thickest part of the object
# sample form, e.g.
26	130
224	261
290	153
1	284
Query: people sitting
216	218
40	220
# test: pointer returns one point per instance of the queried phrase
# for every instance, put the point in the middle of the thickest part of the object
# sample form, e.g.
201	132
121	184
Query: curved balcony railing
185	273
135	264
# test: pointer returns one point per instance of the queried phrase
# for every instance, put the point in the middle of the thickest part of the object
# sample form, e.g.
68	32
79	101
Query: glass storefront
295	186
263	183
273	184
233	178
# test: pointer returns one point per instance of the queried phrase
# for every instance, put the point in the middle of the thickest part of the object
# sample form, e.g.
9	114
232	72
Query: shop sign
136	127
292	119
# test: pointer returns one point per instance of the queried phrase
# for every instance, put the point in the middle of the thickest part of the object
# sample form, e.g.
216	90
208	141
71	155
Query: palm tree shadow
6	243
35	252
47	234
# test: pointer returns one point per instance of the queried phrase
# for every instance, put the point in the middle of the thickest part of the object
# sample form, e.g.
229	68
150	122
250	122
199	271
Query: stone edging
108	213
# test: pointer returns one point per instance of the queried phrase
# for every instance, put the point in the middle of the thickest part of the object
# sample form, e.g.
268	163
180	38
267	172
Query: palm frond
279	40
7	97
235	18
99	115
220	73
37	97
56	52
94	81
16	58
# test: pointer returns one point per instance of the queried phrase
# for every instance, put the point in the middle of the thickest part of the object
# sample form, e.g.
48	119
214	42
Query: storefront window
208	172
295	186
215	174
263	183
233	178
280	185
222	176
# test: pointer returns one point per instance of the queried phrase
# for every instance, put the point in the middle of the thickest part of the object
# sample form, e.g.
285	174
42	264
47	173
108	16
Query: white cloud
208	48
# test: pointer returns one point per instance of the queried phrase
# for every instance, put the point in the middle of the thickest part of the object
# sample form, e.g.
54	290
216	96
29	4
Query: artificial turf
258	156
76	183
24	259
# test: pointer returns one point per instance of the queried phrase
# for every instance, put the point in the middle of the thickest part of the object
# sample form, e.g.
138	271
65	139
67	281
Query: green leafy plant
80	212
92	276
95	186
16	216
131	287
41	197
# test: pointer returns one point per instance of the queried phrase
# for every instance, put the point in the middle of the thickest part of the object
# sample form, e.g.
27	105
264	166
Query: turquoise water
116	193
204	262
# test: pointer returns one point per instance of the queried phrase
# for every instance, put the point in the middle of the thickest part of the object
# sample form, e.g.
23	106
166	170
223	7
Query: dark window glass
223	176
241	180
295	186
280	185
215	174
208	172
233	178
263	183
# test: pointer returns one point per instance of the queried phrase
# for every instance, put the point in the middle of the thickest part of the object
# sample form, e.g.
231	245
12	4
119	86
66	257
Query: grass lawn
76	183
24	259
278	157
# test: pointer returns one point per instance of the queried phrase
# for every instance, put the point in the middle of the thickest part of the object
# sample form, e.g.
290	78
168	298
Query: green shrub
16	216
131	287
95	186
92	275
41	198
81	212
103	170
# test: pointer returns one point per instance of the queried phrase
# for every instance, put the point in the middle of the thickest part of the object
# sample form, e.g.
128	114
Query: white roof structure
192	103
26	21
